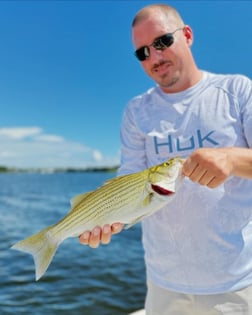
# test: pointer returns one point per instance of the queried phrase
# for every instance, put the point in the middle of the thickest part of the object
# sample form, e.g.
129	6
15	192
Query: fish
126	199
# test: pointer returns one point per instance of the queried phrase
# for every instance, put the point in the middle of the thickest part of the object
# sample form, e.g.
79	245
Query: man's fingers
95	237
84	238
106	234
116	228
100	235
189	167
91	238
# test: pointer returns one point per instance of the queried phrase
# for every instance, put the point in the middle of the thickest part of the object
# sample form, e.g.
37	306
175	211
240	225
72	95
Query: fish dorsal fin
78	198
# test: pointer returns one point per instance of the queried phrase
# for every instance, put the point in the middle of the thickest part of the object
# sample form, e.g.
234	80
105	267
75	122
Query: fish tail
42	246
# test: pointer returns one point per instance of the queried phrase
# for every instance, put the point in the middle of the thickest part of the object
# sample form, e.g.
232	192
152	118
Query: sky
67	71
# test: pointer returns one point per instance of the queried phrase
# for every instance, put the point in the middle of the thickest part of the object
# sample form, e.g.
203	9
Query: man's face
167	67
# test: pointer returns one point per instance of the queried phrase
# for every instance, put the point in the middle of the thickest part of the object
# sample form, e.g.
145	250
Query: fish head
165	178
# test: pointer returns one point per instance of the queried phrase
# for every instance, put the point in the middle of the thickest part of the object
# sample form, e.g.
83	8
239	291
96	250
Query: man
198	250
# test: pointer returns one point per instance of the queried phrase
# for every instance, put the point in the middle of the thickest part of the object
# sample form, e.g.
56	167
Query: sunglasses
160	43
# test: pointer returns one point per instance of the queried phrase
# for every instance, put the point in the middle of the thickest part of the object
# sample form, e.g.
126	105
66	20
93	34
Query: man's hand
209	167
100	235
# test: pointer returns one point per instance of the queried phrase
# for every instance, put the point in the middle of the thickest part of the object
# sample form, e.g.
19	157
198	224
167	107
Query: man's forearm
241	160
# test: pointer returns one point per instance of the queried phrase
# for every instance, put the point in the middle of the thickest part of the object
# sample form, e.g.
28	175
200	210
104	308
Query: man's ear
188	34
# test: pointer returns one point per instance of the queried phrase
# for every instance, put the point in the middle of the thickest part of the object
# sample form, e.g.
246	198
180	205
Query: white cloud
19	132
30	147
50	138
97	156
6	154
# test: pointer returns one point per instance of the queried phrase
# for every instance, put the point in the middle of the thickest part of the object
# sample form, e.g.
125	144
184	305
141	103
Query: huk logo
176	145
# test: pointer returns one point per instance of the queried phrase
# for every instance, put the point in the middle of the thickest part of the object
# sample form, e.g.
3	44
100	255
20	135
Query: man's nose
155	54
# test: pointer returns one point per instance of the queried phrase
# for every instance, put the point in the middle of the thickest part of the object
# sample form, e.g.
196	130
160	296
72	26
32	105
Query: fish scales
116	195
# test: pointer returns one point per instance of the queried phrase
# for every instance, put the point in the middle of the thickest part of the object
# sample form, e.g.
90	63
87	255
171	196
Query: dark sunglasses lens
163	41
142	53
160	43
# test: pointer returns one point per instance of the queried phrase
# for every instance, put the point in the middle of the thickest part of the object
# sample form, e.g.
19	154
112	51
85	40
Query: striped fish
126	199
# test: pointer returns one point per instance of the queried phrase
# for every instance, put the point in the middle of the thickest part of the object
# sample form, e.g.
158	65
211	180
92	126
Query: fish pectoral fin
78	198
147	200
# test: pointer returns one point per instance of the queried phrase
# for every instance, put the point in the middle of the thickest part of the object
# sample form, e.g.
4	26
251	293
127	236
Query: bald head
171	66
168	12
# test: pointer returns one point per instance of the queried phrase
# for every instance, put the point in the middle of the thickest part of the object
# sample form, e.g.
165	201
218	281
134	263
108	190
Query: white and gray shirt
201	242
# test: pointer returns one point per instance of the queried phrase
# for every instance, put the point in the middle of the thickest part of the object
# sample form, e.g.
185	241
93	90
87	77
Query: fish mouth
161	191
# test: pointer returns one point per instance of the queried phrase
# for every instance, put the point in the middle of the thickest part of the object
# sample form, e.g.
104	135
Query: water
109	280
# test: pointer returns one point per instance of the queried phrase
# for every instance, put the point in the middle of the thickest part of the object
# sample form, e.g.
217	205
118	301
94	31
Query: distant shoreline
4	169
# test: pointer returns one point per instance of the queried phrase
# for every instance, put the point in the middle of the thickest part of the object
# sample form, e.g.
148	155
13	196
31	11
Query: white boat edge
140	312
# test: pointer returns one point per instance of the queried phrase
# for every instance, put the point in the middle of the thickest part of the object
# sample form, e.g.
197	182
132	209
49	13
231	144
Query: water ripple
107	281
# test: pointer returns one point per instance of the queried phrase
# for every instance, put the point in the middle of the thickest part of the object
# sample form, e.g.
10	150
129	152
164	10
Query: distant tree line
4	169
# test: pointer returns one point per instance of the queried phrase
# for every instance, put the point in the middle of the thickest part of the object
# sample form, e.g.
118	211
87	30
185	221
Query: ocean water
109	280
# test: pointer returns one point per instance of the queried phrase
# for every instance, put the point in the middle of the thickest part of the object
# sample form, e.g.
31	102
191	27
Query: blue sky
68	70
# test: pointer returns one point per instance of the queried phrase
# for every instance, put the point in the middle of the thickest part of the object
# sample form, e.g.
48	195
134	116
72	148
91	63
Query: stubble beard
165	82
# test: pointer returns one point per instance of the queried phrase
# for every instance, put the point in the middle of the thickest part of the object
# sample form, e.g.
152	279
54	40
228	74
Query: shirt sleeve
245	103
133	156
